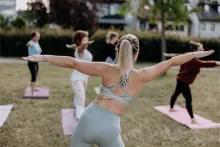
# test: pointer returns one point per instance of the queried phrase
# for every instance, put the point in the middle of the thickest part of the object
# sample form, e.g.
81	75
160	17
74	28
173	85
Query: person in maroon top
187	75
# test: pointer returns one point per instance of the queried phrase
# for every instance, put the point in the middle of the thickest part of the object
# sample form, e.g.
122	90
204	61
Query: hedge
53	42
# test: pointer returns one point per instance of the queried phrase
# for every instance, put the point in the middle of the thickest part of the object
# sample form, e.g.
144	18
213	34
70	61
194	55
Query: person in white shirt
79	80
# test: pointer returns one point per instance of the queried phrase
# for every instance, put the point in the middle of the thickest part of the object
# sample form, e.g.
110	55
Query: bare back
112	78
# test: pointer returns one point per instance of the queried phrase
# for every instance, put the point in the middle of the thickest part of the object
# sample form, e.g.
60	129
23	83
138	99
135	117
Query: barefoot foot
35	89
33	93
172	110
193	121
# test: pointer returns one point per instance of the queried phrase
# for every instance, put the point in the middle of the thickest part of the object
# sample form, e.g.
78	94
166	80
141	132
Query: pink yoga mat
68	121
4	112
181	115
42	93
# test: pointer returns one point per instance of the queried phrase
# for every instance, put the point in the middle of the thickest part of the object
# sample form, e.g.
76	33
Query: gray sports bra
108	91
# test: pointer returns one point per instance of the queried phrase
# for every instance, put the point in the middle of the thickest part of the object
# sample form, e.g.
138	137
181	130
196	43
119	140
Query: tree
18	23
4	22
73	14
164	10
37	13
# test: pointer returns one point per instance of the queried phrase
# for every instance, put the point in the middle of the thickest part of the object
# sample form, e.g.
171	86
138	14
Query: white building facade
8	8
205	23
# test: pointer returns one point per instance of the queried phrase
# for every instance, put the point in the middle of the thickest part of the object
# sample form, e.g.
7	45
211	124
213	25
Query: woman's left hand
35	58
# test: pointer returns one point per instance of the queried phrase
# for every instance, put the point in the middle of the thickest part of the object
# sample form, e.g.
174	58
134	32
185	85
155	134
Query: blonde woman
100	122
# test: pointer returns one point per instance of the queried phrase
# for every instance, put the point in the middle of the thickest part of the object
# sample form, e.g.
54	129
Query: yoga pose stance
79	80
100	122
34	49
111	40
187	75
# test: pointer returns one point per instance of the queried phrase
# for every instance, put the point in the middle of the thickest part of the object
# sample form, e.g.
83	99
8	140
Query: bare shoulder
137	73
111	69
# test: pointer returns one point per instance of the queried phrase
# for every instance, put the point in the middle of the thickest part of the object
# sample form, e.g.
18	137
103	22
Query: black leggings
33	67
183	88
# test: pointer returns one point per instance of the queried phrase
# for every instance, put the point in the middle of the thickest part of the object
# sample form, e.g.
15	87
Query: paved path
11	60
14	60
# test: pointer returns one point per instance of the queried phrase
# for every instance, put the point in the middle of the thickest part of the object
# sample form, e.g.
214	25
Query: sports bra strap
123	81
116	85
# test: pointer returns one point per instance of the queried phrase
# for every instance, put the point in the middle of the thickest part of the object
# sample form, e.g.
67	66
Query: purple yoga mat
68	121
42	93
4	112
181	116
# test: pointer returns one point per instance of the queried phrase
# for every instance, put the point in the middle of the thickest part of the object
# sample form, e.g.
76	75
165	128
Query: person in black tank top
111	40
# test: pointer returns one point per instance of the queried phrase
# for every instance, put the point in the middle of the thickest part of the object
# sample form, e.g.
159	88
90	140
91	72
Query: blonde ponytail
125	57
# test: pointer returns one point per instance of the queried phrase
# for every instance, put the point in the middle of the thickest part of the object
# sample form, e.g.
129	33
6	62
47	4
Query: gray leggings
97	126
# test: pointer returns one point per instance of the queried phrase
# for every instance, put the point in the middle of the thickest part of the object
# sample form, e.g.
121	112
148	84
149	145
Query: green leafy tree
18	23
37	13
161	9
4	22
73	14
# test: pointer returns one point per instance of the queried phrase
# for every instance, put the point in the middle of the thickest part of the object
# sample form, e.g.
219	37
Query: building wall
8	8
197	26
194	27
133	21
175	32
208	32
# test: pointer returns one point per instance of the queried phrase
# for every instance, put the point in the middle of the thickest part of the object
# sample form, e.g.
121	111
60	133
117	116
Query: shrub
19	23
53	42
4	22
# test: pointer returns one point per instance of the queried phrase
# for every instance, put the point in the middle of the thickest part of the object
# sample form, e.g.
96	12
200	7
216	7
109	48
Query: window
219	9
153	27
213	27
203	26
206	8
114	8
102	10
169	27
107	9
180	28
142	25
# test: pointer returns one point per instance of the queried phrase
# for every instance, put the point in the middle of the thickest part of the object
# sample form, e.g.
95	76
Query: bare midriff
111	104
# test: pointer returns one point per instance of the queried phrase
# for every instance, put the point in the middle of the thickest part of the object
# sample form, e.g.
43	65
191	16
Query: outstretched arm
72	46
170	54
30	43
208	63
149	73
89	68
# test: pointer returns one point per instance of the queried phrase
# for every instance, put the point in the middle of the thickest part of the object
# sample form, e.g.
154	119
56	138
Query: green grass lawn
37	123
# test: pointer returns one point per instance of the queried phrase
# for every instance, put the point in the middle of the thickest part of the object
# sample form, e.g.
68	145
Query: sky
22	4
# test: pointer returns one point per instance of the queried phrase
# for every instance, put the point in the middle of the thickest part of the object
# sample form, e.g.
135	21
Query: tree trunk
163	36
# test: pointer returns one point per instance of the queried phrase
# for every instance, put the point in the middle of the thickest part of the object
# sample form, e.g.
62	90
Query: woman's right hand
73	46
35	58
85	44
200	54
